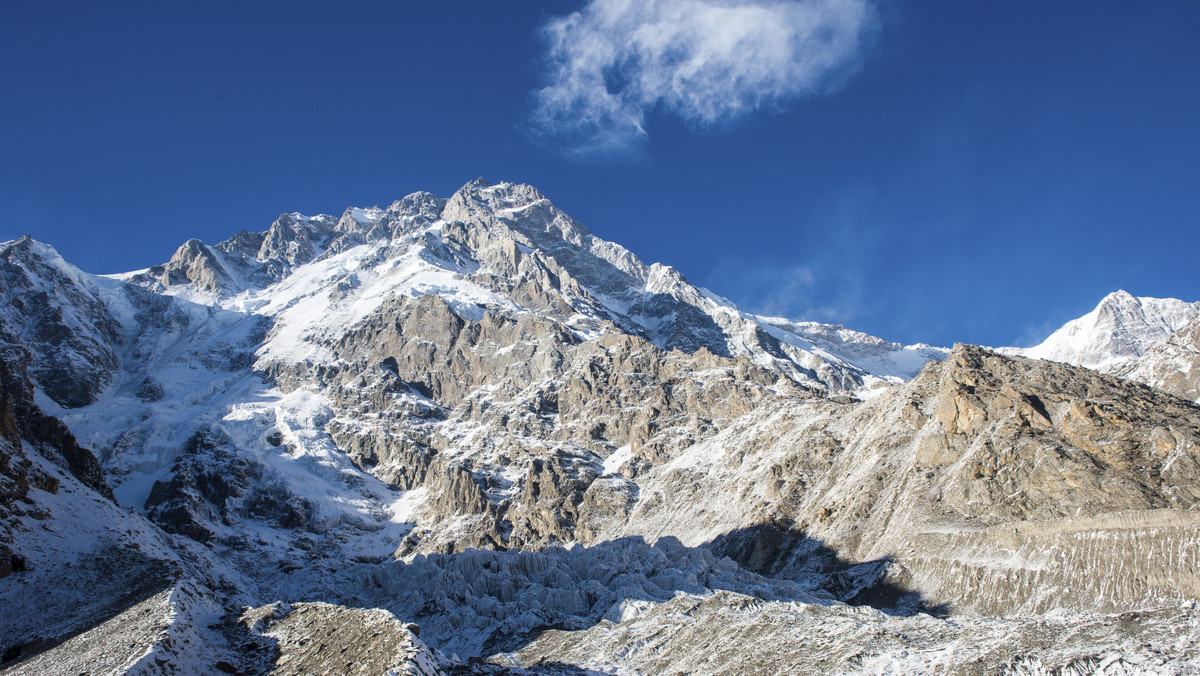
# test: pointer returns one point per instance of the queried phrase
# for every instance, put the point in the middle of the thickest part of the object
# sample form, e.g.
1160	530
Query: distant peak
1120	296
24	242
27	243
1121	328
480	182
1125	302
20	244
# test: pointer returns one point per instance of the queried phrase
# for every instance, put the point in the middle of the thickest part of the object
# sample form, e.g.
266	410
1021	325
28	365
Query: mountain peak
1119	297
1120	329
28	243
512	194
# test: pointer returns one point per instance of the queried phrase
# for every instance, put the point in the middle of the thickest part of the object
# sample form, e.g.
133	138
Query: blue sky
937	171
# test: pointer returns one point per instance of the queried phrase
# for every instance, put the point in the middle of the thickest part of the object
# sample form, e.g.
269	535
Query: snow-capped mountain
1119	331
188	343
504	249
1146	340
473	413
1172	365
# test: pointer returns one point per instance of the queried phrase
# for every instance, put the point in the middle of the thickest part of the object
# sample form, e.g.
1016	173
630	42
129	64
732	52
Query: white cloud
708	62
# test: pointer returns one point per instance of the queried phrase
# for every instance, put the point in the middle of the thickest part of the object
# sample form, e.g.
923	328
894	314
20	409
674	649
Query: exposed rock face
989	483
1073	480
211	485
21	419
194	263
320	638
522	455
50	310
22	426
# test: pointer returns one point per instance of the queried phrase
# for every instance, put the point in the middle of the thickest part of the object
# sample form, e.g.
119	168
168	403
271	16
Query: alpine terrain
466	436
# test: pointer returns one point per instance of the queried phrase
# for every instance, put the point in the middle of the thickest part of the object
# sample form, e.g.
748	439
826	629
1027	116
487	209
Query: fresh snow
366	215
1119	330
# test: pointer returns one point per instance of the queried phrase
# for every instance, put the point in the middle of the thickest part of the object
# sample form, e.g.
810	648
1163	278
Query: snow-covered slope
1147	340
1120	329
1172	365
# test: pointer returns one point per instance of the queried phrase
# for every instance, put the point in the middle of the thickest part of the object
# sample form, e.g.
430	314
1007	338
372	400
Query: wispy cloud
709	62
817	274
808	291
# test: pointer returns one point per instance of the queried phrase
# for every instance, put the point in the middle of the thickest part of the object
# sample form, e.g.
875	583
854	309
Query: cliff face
23	423
48	307
988	483
25	430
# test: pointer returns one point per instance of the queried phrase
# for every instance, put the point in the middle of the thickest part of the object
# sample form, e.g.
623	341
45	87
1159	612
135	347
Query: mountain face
1119	331
1172	365
1155	341
50	309
473	414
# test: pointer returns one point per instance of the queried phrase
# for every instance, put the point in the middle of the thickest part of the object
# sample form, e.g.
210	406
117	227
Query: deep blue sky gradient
990	171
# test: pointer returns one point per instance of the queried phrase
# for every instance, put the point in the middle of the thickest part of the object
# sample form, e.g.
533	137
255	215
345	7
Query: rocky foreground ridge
500	444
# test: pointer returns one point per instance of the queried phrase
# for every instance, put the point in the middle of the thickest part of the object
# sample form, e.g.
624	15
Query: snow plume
709	62
788	290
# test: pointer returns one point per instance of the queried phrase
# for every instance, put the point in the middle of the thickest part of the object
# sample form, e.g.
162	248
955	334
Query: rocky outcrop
1061	479
321	638
194	263
292	241
48	308
211	487
403	217
22	421
1059	441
